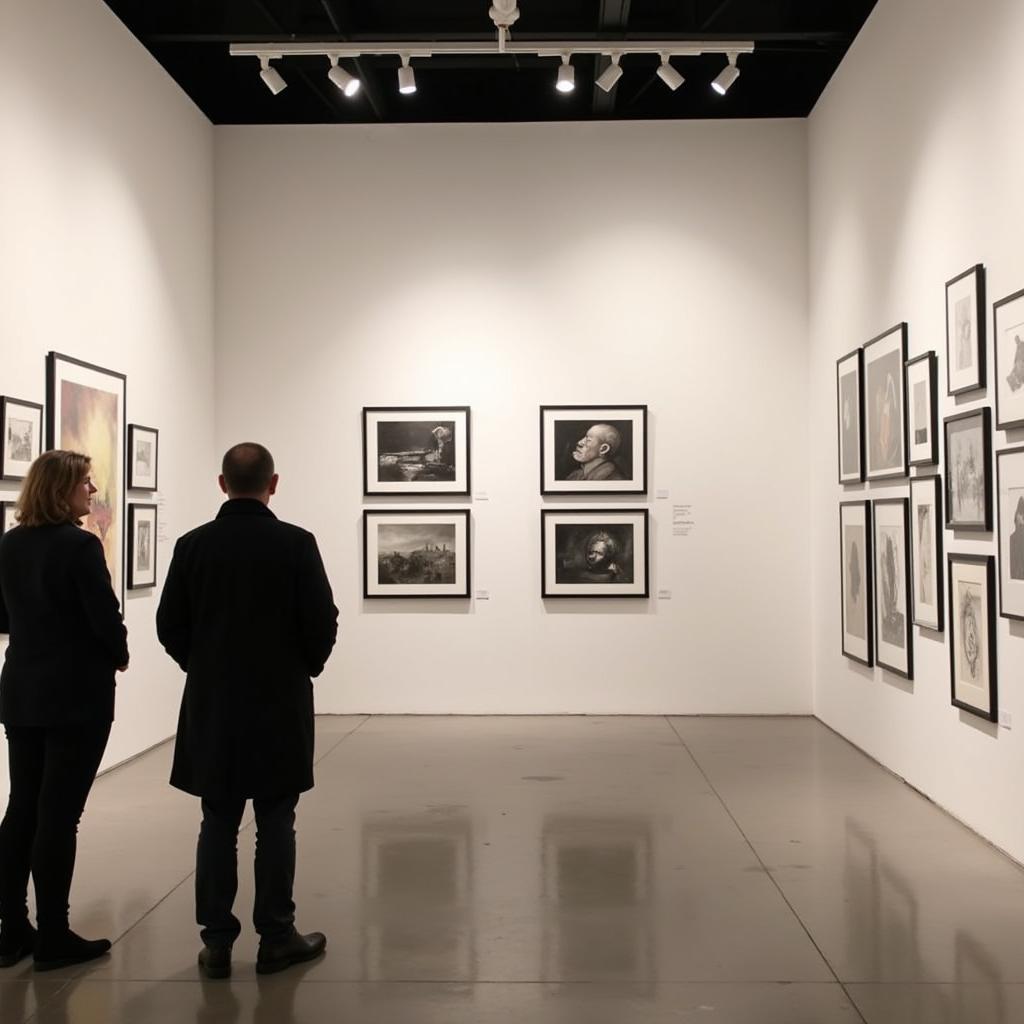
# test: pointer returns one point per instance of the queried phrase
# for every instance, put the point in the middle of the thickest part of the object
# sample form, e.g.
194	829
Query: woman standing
67	640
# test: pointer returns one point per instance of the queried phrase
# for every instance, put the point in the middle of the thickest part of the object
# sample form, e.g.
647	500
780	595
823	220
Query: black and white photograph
922	409
416	553
894	646
968	477
849	399
1008	344
965	331
23	436
926	551
972	634
8	519
1010	502
855	581
141	546
598	552
885	411
416	450
142	457
593	449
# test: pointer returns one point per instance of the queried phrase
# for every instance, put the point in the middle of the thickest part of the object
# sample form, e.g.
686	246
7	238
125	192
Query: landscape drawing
415	553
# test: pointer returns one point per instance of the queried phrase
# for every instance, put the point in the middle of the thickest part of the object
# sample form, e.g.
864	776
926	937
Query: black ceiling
799	44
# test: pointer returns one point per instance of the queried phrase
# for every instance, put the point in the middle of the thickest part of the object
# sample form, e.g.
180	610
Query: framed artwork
141	546
965	331
143	453
1010	488
7	520
885	407
849	407
593	449
415	553
894	648
968	477
23	436
922	410
597	552
85	412
855	580
972	634
416	450
1008	331
926	551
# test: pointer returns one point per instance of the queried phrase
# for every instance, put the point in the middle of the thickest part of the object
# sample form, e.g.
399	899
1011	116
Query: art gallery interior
529	807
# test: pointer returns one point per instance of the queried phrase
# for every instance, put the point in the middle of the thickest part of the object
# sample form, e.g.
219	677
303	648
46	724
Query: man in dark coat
247	612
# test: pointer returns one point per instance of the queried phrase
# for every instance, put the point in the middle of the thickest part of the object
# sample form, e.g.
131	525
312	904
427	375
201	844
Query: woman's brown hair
45	495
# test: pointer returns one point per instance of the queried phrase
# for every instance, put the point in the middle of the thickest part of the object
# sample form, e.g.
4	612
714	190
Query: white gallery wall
914	176
504	267
106	249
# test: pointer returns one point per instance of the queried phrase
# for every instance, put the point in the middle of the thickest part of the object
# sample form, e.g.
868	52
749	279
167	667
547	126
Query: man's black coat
247	612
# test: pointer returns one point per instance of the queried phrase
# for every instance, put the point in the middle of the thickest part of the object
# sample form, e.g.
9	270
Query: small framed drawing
965	331
922	410
23	436
143	454
968	476
885	407
972	634
894	648
1010	488
849	406
926	551
855	581
596	552
416	450
593	449
7	520
141	546
415	553
1008	331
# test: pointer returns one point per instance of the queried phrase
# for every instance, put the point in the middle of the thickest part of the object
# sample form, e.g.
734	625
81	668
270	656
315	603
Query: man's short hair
610	436
247	469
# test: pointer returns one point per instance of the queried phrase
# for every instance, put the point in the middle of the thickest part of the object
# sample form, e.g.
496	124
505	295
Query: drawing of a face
601	551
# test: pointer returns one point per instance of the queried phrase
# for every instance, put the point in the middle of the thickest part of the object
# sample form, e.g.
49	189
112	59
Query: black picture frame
965	331
893	602
7	520
21	438
922	390
856	590
850	416
1008	350
885	405
138	478
926	530
1010	505
969	470
142	545
972	635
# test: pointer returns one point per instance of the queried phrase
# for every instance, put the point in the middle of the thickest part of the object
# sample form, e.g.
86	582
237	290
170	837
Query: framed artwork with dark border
594	552
923	410
421	450
965	331
885	405
926	551
894	638
141	546
850	414
855	569
7	520
593	449
1008	346
416	553
22	436
1010	502
972	634
85	412
143	457
968	472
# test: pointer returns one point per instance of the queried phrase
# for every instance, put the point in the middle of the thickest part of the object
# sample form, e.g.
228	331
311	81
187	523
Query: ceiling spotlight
669	75
406	77
347	83
727	76
271	77
611	74
566	75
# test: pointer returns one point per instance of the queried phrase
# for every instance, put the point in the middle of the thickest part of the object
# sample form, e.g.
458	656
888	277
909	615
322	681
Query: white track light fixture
406	77
611	74
347	83
727	76
566	75
668	74
271	76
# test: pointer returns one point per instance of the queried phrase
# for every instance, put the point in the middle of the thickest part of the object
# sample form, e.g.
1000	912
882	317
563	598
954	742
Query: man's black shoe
15	947
215	961
294	949
67	950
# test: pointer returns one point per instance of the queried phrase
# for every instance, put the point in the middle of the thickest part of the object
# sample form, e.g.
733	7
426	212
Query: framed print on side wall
922	410
894	647
968	477
416	553
7	520
143	457
849	407
926	551
141	546
22	436
885	407
593	449
972	634
420	450
855	580
1008	343
1010	490
597	552
965	331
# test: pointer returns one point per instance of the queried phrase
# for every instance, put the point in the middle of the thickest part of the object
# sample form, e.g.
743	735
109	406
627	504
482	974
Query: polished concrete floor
563	870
